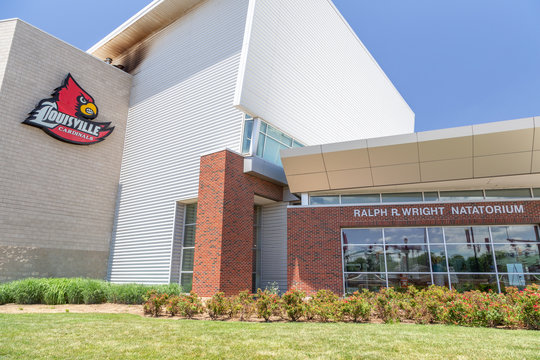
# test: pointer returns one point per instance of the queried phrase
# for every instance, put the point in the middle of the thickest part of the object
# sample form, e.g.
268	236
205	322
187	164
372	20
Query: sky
456	62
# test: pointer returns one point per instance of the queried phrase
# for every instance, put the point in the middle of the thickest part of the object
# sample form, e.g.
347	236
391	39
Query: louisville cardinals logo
67	115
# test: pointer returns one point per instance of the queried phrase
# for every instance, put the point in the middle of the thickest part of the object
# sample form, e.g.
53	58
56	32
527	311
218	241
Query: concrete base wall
18	262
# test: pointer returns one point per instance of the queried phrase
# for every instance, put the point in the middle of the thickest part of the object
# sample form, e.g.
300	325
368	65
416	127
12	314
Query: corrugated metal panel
181	107
176	256
274	245
303	67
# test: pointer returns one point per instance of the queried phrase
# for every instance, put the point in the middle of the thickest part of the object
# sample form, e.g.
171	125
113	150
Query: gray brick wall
56	198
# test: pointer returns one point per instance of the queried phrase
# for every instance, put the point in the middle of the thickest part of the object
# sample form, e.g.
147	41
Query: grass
122	336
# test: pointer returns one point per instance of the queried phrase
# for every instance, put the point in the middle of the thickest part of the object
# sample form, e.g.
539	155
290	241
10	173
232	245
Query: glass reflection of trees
465	257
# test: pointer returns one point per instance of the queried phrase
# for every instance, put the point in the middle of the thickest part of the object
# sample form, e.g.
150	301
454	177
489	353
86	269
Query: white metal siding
305	71
181	107
274	246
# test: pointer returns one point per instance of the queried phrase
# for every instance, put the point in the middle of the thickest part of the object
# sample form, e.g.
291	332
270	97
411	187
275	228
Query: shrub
54	292
245	304
74	291
325	305
357	306
173	306
267	304
530	307
217	305
127	293
94	291
191	305
6	294
387	305
28	291
154	303
293	304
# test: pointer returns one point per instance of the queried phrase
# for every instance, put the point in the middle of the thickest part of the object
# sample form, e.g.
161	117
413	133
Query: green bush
293	304
154	303
217	305
358	306
56	291
267	304
387	305
6	294
191	305
530	307
94	291
127	293
28	291
325	306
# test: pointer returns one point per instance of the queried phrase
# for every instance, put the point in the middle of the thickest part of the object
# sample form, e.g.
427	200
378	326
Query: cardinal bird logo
67	115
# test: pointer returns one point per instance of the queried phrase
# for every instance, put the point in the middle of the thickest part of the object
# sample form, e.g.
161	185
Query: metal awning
491	150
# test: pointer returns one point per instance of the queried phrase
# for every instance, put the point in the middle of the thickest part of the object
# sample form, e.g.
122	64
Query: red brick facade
314	240
224	238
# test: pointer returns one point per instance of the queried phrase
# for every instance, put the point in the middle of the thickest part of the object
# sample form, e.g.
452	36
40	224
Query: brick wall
224	239
314	241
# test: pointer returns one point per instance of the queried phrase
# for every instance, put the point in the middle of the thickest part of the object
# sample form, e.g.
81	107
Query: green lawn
104	336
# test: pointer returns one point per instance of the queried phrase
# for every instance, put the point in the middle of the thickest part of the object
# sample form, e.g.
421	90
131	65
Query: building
205	166
457	207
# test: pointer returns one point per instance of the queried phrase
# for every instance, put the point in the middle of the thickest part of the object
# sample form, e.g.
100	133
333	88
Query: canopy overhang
152	18
492	153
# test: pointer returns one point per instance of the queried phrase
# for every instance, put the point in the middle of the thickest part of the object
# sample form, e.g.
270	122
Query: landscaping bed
514	309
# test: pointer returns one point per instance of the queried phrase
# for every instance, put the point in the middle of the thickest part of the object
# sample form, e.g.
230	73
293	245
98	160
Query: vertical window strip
188	247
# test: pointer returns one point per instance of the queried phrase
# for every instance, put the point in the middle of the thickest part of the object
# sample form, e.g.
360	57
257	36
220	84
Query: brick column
224	238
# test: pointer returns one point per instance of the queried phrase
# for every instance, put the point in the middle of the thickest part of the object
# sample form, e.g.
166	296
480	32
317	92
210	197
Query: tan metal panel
397	174
536	145
536	162
350	178
308	182
393	155
504	164
503	142
304	164
447	169
342	160
444	149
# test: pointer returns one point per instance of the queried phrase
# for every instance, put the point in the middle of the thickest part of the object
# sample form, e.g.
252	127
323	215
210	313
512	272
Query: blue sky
456	62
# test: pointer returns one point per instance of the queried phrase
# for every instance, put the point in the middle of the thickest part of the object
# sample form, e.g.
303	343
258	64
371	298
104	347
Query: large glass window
269	140
470	258
256	250
362	236
461	195
407	258
461	257
324	200
188	247
436	196
363	258
402	197
361	199
508	194
248	131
